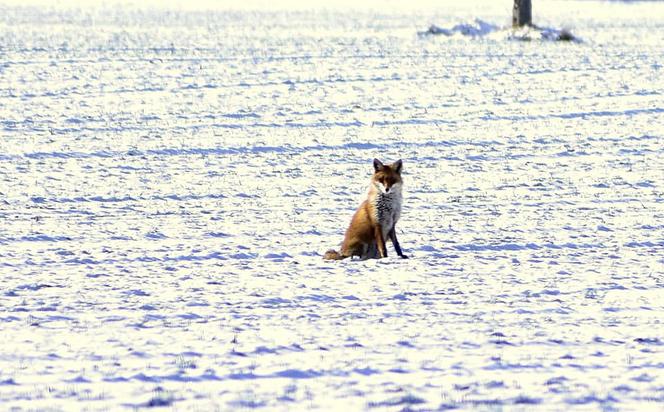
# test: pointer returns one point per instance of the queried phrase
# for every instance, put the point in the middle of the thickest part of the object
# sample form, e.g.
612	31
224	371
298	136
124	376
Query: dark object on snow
566	35
534	32
522	14
433	29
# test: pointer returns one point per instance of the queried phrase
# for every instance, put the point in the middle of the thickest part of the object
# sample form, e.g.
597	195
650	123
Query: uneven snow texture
169	178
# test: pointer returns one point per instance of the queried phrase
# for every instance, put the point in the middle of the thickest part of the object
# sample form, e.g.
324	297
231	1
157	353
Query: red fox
375	219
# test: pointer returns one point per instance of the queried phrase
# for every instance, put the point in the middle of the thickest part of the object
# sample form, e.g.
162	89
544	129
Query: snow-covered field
171	174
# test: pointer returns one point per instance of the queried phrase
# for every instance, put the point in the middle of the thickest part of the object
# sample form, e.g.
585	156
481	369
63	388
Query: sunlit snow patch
480	28
474	29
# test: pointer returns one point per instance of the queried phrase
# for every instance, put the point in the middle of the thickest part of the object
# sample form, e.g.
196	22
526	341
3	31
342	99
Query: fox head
387	178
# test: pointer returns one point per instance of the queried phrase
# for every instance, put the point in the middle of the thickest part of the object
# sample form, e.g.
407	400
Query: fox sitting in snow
376	218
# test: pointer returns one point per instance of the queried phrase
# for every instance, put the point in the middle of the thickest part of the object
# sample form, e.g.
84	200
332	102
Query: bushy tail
333	255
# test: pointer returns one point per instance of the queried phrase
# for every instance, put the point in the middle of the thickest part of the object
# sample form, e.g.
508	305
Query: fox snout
385	187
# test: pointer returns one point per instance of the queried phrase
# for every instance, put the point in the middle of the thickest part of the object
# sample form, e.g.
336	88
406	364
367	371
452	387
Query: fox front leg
395	242
380	241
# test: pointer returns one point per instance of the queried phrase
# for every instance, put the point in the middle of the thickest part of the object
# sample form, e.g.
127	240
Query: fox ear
378	165
397	166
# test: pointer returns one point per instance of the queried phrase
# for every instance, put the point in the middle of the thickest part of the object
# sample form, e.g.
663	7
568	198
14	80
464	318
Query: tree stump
522	14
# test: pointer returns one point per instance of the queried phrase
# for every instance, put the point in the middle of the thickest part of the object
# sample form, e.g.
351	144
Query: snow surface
170	175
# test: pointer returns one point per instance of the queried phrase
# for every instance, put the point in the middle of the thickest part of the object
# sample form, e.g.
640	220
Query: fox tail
333	255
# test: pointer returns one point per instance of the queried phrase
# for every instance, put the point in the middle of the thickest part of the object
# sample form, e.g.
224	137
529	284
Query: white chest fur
387	207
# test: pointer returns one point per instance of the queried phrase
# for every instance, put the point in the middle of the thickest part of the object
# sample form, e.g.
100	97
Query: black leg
395	242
